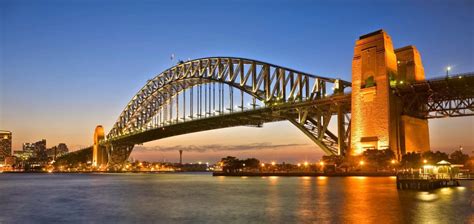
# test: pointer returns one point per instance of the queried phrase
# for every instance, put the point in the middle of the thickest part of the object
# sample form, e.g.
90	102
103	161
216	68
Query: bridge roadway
255	118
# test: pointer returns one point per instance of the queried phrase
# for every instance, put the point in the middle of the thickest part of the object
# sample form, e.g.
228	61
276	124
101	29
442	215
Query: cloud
216	147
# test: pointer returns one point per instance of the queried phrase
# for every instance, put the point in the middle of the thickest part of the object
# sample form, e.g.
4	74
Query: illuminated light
273	163
273	177
428	167
50	171
306	178
425	161
244	177
299	164
393	177
262	164
393	161
199	162
305	163
361	162
460	77
321	163
426	196
322	178
448	68
401	82
398	62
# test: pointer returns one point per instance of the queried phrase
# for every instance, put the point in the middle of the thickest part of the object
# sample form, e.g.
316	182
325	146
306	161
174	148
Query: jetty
424	182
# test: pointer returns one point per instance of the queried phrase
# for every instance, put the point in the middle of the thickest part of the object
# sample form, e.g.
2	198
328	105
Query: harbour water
201	198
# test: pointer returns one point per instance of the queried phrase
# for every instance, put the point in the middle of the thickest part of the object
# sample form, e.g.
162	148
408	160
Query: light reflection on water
199	198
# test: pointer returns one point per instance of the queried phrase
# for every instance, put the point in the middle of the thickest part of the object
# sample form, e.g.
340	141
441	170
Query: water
201	198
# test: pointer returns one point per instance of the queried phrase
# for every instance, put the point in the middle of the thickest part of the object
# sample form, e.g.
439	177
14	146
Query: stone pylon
376	118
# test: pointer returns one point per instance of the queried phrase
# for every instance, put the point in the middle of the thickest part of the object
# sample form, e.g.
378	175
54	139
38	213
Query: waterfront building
36	151
5	145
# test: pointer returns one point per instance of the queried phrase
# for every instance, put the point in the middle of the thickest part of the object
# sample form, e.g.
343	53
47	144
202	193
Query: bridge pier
99	154
117	155
377	121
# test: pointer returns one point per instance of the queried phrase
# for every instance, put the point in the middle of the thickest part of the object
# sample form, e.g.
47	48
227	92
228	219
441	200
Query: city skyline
67	88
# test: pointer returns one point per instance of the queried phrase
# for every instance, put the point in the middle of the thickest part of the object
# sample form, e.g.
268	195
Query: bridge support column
376	113
371	116
99	154
117	155
341	131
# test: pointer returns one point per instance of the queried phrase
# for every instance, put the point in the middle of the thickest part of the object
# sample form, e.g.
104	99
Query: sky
67	66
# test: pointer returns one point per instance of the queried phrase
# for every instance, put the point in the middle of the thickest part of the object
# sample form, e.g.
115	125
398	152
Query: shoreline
305	174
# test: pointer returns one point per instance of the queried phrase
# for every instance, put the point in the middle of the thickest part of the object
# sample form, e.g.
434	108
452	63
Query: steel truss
183	99
451	96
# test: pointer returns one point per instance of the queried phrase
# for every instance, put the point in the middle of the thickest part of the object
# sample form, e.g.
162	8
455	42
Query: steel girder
275	86
451	96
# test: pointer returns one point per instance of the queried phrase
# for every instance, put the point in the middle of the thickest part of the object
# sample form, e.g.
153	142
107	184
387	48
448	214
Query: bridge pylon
99	154
377	121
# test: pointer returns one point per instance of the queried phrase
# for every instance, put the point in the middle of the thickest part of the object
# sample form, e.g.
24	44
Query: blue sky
67	66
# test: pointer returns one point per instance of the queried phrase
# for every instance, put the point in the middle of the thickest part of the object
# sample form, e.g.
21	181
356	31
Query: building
5	145
57	151
37	150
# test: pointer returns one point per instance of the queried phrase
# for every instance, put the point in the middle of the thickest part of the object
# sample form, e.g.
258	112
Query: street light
262	164
393	161
321	163
273	163
361	162
305	163
447	70
425	161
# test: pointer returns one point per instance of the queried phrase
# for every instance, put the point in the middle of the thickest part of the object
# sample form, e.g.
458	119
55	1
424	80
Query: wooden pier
405	182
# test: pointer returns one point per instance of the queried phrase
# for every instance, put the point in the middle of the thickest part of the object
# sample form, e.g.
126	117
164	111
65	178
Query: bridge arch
306	100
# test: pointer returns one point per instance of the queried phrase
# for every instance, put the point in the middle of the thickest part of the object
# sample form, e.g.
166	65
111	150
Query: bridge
386	105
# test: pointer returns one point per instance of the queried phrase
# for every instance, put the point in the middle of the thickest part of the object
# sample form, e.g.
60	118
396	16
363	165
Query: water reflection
201	198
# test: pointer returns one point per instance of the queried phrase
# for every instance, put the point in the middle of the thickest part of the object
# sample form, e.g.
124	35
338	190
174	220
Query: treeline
231	164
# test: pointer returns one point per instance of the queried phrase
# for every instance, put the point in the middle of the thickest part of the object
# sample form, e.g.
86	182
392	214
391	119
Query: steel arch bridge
212	93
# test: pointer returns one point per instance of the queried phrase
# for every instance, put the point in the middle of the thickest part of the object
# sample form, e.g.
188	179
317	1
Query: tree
457	157
378	158
231	164
252	163
411	160
434	157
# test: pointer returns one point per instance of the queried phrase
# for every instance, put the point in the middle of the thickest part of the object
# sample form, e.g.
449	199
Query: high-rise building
5	145
37	149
